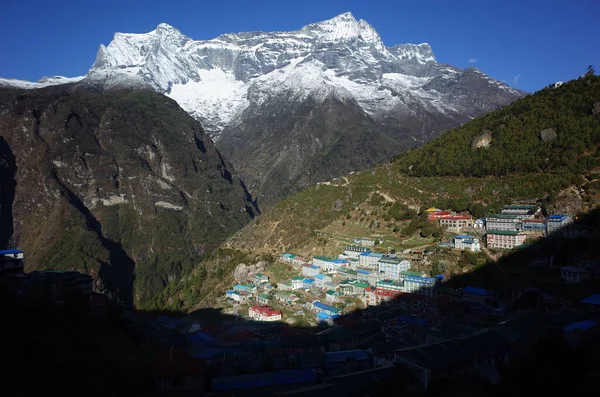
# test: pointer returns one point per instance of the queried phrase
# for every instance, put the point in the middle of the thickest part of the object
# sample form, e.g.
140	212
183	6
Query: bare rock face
337	205
548	135
483	139
244	272
596	109
112	184
568	202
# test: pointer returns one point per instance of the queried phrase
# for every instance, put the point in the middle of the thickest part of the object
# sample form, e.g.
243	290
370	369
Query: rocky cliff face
122	185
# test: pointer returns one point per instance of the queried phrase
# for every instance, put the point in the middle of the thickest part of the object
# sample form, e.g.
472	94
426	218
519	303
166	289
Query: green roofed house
297	283
390	285
259	279
262	299
344	272
333	296
505	239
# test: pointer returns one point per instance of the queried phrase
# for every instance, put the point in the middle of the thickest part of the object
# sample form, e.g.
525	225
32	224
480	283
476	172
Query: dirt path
387	197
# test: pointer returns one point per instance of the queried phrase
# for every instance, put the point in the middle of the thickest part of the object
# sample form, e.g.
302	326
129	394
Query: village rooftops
325	307
298	278
502	216
361	271
413	274
457	217
557	218
356	248
359	284
372	254
289	255
320	276
519	207
504	232
592	300
463	236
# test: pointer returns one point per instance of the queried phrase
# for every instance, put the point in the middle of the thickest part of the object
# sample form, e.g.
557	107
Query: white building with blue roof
556	222
321	280
369	259
466	242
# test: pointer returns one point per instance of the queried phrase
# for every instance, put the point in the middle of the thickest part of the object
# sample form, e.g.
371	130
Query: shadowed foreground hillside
69	352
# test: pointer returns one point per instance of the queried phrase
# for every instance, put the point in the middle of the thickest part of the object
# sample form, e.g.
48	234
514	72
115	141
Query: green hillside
561	175
516	143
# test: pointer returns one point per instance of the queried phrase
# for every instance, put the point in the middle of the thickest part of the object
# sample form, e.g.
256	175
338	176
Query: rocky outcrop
114	184
596	108
548	135
483	139
243	272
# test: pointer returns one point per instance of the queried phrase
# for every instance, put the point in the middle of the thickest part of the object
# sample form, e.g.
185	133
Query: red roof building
264	313
437	215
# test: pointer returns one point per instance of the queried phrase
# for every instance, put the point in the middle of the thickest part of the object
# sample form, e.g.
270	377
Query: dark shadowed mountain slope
113	184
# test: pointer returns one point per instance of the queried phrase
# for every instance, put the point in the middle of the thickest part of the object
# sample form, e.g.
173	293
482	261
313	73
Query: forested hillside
557	128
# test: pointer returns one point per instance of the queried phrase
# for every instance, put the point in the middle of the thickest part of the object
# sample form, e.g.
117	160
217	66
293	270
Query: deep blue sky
526	43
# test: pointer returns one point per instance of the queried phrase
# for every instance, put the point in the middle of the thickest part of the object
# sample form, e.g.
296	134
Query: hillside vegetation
448	173
516	137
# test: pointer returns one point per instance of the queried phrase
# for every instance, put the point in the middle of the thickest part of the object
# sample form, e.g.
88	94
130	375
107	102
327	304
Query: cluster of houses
449	333
507	230
325	286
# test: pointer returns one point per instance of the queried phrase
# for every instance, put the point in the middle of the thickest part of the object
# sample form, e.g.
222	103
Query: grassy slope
446	171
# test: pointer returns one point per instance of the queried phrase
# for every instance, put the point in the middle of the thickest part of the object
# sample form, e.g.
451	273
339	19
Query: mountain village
371	316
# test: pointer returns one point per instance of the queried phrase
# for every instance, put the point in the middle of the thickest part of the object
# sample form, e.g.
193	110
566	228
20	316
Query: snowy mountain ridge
289	109
216	80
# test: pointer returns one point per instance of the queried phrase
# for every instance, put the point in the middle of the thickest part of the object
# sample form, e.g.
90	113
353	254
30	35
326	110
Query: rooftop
592	300
323	258
557	218
477	291
502	216
372	254
11	251
323	306
504	232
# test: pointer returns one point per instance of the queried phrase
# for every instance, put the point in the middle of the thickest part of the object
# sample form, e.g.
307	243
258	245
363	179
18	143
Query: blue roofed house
326	264
477	295
465	242
308	283
369	259
592	302
419	283
11	263
556	222
367	276
319	307
321	279
310	270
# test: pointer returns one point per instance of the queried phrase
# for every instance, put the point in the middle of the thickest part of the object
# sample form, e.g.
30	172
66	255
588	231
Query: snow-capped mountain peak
217	80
